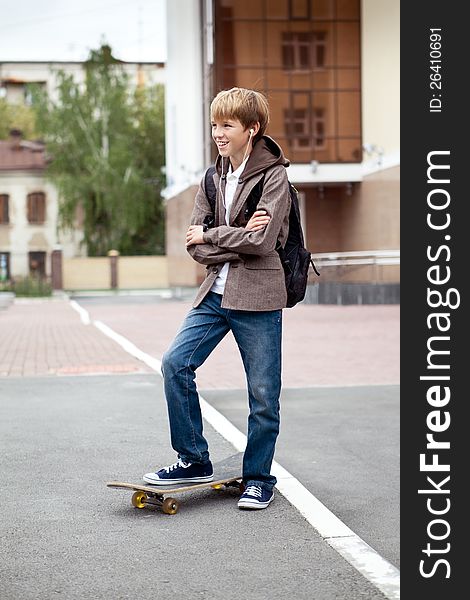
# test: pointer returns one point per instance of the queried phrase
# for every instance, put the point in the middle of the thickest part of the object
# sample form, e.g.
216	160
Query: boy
243	292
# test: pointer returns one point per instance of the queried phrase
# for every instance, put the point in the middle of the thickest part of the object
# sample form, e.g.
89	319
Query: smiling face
232	140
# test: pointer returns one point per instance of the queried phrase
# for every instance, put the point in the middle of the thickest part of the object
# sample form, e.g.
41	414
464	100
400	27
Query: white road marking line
84	316
337	534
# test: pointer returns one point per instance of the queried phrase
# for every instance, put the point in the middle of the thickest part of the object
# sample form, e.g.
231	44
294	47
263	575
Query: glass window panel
323	43
37	263
278	78
347	9
304	56
250	78
310	70
247	9
349	114
248	43
300	26
322	9
348	52
301	155
229	79
301	81
348	79
288	56
36	207
274	39
324	79
349	150
4	266
319	128
297	50
300	9
284	143
326	154
277	9
278	103
4	208
224	43
325	101
301	100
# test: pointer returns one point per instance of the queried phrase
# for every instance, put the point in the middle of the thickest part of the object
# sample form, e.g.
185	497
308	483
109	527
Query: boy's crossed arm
207	253
260	235
257	222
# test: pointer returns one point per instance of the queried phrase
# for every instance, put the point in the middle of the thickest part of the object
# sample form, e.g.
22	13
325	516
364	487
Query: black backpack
295	258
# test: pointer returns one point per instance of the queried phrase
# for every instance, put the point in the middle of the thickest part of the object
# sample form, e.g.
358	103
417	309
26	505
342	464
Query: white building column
184	104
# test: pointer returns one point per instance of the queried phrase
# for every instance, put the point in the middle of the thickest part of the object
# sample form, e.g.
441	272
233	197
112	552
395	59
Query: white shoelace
179	463
254	490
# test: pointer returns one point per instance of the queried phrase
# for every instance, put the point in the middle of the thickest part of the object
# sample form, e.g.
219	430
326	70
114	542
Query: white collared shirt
230	189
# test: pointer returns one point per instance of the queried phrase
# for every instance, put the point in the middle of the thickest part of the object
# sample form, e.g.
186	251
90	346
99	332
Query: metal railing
370	266
360	257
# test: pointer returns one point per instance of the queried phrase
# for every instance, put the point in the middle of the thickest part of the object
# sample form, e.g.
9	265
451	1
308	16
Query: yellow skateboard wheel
170	506
139	499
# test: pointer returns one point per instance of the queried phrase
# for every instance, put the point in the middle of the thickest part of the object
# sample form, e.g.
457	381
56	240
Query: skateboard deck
227	472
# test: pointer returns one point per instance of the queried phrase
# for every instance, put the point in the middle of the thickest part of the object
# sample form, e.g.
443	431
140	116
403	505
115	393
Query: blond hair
247	106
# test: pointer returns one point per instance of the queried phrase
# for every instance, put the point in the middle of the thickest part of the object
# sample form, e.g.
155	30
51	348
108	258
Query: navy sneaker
256	497
181	472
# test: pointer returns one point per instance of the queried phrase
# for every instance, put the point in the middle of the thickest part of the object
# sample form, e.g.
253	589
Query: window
4	214
306	56
29	89
4	266
37	263
297	127
303	133
303	50
319	49
36	207
319	127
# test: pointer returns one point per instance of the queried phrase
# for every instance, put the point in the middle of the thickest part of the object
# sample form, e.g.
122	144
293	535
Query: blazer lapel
241	194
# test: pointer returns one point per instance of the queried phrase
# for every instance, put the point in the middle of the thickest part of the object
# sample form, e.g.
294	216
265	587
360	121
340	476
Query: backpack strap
314	267
211	192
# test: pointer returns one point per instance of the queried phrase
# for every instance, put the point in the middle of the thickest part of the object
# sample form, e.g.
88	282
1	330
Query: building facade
29	207
330	69
16	76
29	204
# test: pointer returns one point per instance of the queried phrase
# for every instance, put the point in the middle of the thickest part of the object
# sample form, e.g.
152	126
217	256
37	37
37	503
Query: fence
362	277
114	272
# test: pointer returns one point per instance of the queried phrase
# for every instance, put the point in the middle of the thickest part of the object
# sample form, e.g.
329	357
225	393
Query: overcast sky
67	29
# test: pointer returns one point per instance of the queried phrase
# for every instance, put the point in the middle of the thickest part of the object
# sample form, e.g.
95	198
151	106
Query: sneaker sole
253	504
178	481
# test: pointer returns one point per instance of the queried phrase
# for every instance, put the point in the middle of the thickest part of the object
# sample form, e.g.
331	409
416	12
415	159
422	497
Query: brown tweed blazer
255	280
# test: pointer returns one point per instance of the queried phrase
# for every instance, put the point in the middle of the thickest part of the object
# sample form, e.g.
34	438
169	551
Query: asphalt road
342	443
64	534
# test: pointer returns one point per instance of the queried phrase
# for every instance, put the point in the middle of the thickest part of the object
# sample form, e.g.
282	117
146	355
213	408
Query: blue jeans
258	336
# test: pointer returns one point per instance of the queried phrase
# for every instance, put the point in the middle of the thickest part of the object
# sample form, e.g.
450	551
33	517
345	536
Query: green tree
106	145
16	116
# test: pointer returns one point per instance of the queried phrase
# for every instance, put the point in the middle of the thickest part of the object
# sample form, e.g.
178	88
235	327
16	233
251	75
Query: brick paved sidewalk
47	337
322	345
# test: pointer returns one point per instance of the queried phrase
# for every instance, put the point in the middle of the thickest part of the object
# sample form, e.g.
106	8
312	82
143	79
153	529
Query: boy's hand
194	235
258	221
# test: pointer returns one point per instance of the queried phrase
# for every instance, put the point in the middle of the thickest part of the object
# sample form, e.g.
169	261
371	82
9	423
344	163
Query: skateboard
227	473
